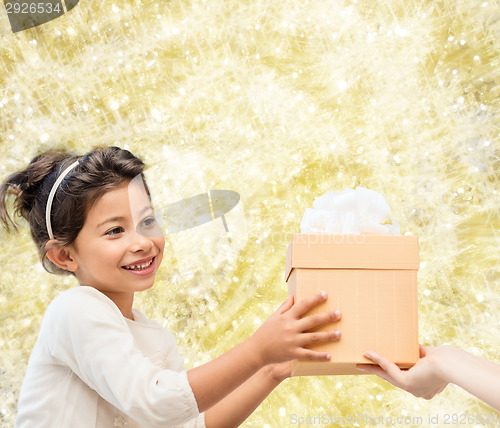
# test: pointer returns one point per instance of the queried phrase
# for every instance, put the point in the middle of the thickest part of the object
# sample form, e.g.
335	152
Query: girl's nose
140	242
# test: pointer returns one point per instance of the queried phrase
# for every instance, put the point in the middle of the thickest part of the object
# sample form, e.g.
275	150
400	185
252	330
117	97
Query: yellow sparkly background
279	101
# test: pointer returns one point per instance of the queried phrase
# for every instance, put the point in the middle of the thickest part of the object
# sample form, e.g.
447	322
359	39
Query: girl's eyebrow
110	220
118	218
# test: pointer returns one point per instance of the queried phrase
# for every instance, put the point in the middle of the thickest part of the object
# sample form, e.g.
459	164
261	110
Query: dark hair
99	171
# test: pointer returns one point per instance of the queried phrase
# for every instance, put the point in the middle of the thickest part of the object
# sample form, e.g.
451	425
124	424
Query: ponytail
26	187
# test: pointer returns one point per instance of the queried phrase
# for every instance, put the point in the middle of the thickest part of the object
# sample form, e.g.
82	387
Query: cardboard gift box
372	280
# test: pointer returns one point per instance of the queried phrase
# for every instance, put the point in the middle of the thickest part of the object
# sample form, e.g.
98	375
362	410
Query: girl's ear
60	256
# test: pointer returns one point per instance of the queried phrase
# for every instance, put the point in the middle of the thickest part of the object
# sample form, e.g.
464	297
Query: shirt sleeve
199	422
91	337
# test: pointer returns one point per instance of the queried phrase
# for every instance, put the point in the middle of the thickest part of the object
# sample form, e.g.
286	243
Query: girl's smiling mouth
141	267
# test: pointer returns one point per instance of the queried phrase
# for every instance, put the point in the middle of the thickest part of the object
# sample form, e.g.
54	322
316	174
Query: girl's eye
148	222
114	231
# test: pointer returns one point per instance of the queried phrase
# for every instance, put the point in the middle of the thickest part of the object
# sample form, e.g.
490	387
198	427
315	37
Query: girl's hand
424	379
284	335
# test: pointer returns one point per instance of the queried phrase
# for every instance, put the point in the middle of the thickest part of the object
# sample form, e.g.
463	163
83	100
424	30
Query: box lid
324	251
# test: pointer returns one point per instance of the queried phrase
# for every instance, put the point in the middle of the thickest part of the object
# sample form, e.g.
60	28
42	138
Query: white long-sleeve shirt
92	367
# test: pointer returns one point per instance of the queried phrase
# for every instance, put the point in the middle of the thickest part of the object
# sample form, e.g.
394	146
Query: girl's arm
233	410
439	366
281	338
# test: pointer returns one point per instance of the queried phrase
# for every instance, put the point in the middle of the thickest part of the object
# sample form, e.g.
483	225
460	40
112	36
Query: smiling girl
99	362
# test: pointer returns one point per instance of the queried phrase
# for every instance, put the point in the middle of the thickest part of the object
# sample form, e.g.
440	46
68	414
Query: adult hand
425	379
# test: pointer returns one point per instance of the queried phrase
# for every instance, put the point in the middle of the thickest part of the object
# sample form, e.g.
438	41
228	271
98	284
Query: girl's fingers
286	305
319	337
300	308
312	321
307	354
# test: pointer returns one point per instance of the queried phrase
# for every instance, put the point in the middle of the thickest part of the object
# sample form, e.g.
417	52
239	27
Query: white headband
51	197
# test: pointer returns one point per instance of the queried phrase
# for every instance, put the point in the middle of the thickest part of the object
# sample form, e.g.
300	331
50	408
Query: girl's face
120	246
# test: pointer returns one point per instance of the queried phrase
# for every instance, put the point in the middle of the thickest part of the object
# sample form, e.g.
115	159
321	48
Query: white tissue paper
350	212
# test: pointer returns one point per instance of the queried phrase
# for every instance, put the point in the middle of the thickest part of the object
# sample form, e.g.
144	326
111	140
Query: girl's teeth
139	267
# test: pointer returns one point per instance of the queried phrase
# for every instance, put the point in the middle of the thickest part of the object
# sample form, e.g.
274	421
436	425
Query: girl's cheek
160	243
